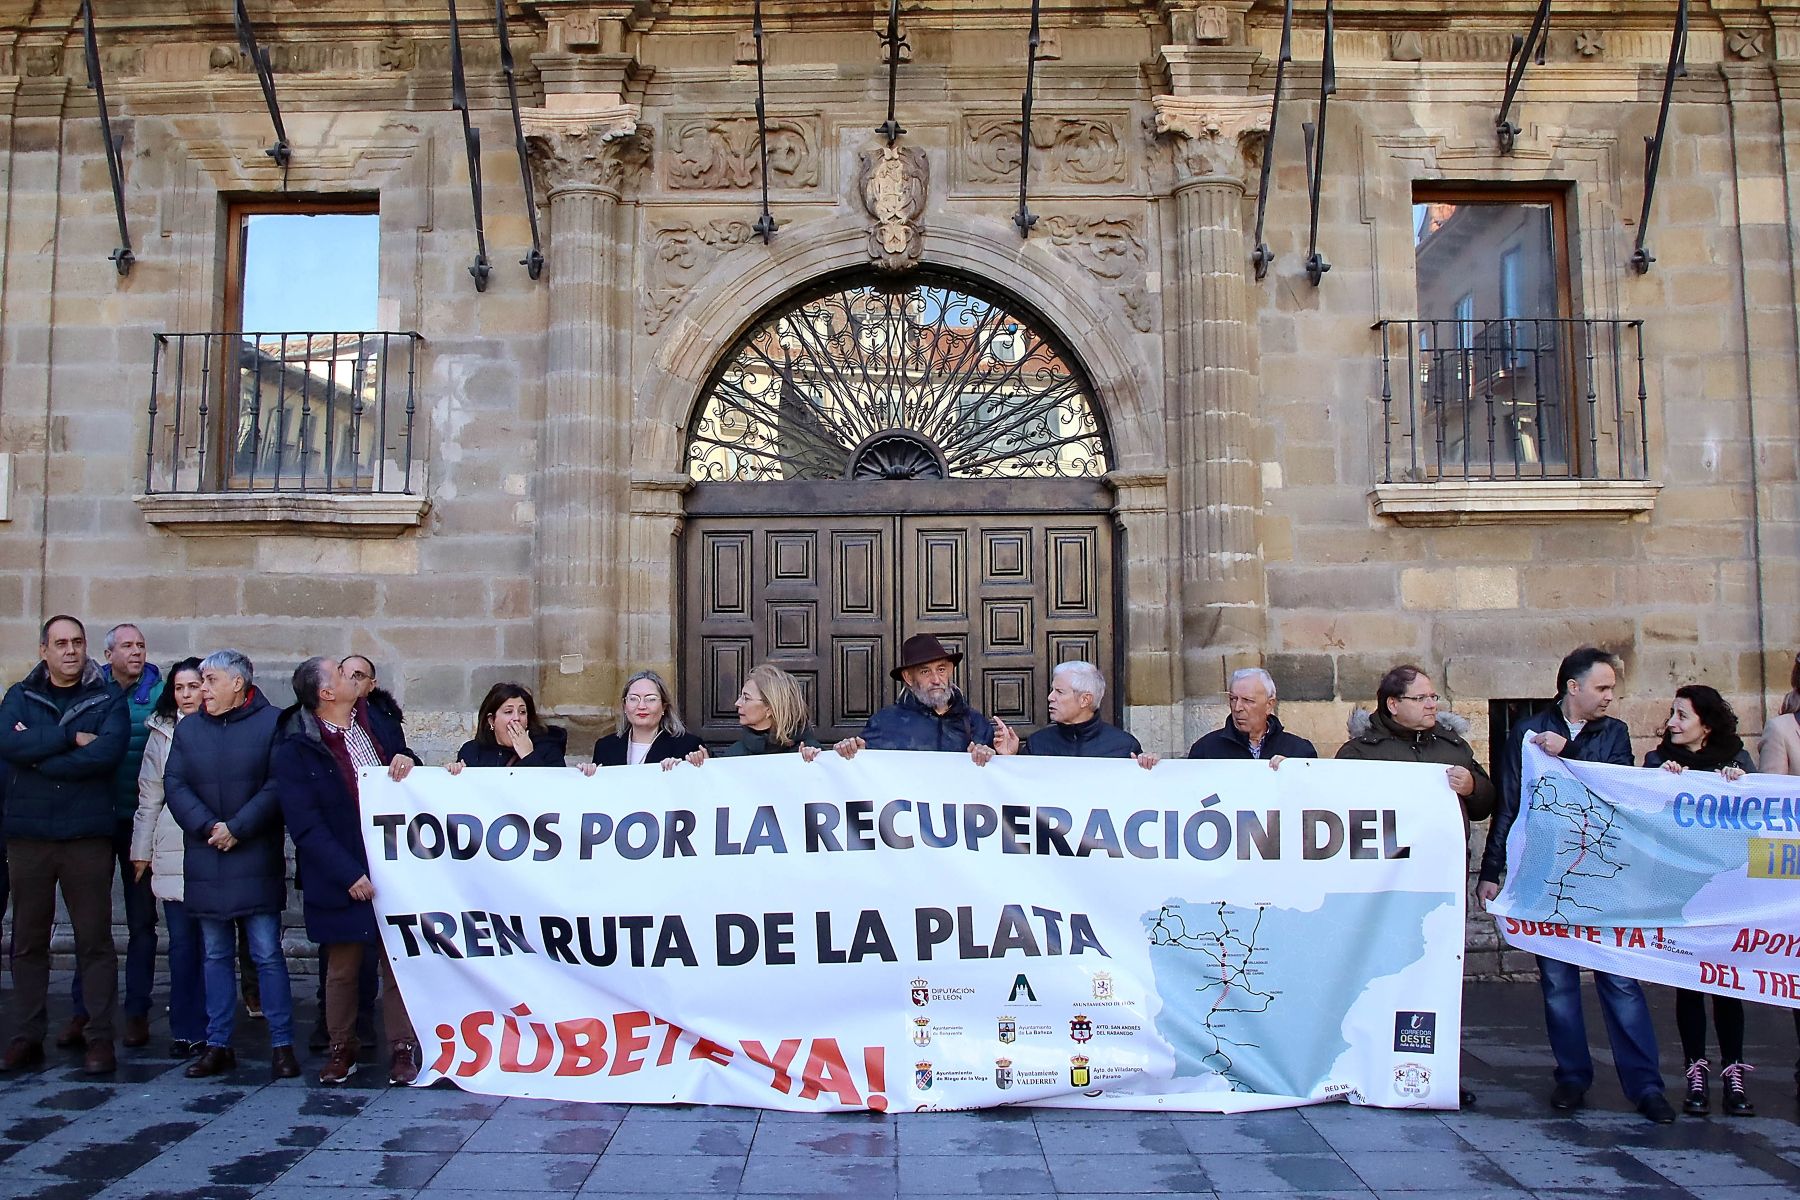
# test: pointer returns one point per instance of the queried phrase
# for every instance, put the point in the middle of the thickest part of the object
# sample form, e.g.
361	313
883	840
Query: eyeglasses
360	676
1428	697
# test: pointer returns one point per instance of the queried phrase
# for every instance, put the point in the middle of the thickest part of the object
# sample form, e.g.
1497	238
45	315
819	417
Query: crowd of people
189	782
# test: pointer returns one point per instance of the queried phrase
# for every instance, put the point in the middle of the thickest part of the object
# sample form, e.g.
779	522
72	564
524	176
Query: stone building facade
1279	477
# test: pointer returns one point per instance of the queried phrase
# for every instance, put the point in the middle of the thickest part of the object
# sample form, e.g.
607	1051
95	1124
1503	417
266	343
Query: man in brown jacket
1407	727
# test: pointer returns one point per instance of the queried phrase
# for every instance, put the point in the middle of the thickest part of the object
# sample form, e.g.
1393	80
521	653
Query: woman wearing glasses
650	728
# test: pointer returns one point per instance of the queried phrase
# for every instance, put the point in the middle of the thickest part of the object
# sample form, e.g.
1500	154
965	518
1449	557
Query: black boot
1736	1102
1697	1103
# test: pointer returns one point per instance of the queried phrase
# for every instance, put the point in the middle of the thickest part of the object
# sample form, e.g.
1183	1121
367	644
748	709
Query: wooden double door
831	597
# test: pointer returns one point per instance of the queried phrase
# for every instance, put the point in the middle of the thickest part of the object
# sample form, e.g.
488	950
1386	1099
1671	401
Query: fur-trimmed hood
1449	722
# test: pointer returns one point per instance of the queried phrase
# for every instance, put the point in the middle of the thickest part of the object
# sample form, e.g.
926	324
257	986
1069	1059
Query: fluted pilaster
584	162
1214	141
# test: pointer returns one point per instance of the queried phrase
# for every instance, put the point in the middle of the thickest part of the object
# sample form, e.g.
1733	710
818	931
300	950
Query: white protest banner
1686	879
911	931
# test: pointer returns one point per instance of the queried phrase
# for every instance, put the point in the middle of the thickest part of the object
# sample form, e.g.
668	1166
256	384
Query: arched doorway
876	457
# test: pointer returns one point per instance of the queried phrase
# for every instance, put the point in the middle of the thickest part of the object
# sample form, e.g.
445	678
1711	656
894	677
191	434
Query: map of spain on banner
1685	879
914	932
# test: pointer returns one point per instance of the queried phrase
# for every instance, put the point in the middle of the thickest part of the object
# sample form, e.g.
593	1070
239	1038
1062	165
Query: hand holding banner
1688	880
914	931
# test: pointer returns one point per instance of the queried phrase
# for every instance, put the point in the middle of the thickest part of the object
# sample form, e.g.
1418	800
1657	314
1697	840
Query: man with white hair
1254	730
220	788
1075	729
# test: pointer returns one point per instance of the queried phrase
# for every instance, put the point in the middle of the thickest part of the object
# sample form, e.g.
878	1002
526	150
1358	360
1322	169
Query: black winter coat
219	770
1602	740
609	751
1232	742
386	722
548	749
61	791
1092	738
753	743
907	724
324	819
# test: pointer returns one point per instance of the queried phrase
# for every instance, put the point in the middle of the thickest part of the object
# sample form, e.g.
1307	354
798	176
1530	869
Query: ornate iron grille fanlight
864	380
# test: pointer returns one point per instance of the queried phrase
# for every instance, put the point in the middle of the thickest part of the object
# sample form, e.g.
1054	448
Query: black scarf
1720	750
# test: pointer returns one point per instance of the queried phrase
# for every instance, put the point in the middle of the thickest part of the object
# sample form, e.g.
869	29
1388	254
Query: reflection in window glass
1493	354
313	389
309	272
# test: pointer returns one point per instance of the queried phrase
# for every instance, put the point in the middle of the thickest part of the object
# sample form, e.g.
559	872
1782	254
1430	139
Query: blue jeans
140	934
187	974
263	930
1628	1029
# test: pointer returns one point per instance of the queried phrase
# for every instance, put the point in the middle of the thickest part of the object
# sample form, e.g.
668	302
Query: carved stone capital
1214	137
602	148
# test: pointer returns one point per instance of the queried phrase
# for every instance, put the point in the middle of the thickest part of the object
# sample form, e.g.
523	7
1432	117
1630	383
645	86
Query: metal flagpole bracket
122	257
892	42
1024	218
265	76
1641	258
1261	258
534	261
459	100
1525	51
1316	264
765	224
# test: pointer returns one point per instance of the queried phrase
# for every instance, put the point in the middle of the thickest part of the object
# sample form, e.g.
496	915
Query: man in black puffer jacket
221	789
63	729
1075	729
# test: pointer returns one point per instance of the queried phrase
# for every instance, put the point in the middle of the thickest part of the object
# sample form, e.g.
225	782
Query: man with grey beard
933	714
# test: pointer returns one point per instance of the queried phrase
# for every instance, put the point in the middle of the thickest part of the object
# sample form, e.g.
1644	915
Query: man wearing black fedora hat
933	714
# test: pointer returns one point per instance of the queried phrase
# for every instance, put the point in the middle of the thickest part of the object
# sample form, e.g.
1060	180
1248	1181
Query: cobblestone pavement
150	1132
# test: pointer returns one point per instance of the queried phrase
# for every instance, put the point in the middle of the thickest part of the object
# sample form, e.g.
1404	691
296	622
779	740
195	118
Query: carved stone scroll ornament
709	154
604	148
1110	249
1072	149
892	185
679	255
1214	137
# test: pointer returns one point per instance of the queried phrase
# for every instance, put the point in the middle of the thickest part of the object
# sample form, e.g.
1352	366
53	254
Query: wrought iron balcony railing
1514	398
283	412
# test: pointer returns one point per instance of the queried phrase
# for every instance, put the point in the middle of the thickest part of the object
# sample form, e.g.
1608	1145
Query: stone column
1222	608
583	161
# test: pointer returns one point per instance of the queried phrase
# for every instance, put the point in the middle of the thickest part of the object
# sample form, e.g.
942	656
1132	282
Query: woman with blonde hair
772	709
649	729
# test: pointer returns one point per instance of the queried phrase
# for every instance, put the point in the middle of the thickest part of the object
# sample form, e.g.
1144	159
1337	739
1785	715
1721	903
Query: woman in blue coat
219	787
